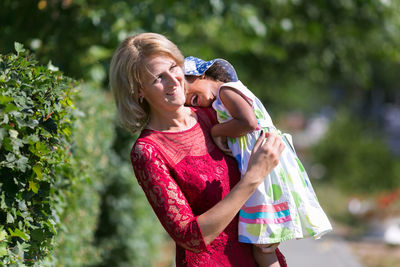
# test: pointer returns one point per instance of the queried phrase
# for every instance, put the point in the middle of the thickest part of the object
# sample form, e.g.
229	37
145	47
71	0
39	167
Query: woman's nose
174	78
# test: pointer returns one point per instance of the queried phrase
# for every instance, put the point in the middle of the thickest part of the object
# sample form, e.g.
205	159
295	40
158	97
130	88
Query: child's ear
202	76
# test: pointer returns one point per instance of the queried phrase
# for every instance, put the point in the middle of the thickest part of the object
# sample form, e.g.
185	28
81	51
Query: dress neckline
177	132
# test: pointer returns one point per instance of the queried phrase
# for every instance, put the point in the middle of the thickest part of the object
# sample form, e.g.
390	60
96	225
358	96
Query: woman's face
200	91
163	84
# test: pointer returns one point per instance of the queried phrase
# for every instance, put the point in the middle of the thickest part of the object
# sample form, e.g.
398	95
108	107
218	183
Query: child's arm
244	119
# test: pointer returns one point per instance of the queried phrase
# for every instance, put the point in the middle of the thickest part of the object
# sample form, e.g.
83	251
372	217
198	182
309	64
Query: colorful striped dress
284	206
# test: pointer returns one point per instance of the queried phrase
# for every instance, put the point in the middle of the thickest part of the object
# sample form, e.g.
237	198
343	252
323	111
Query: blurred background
327	71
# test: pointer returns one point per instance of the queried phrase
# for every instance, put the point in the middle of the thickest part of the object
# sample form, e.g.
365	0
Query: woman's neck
180	120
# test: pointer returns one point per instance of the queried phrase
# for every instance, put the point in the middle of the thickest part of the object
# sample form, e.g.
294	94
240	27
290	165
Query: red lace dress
183	174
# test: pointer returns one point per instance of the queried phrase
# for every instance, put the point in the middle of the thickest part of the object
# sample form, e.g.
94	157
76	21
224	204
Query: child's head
204	78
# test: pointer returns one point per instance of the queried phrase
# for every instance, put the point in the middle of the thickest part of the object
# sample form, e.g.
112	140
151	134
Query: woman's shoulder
143	148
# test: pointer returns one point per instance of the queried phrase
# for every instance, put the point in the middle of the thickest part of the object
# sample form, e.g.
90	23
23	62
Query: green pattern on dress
302	179
256	229
222	115
297	198
243	142
284	175
282	232
310	231
297	219
309	221
259	114
275	192
290	178
231	139
300	165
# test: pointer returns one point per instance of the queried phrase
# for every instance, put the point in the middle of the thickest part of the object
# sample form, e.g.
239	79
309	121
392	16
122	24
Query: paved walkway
329	251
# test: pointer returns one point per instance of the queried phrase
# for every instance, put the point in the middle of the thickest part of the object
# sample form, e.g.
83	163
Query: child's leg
265	259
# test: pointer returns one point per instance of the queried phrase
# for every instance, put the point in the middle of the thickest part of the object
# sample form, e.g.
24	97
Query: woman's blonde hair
127	66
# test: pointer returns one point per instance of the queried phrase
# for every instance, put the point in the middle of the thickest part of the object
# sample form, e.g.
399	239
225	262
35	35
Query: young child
284	206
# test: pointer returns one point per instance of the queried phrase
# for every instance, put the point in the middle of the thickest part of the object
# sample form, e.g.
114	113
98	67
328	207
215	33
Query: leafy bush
36	122
74	244
356	158
70	194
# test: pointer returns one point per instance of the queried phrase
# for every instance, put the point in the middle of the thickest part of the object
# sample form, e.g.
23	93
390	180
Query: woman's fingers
273	148
260	141
265	156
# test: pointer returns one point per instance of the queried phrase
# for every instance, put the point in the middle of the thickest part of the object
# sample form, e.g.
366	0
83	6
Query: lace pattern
168	202
183	175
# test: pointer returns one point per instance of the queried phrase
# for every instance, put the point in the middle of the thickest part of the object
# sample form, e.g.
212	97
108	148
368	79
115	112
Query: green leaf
33	187
67	131
19	47
2	134
10	218
3	204
22	163
10	107
19	233
3	235
38	235
3	249
13	133
5	99
38	171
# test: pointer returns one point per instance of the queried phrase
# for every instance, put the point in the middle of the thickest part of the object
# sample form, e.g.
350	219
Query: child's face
200	92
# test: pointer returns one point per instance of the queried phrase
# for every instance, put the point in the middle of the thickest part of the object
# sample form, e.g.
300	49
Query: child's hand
222	143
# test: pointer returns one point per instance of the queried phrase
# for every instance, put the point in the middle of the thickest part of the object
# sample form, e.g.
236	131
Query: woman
193	187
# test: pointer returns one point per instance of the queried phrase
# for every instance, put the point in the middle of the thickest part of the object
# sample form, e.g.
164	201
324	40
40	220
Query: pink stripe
266	208
265	221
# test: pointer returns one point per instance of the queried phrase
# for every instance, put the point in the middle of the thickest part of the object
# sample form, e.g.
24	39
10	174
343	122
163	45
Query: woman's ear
140	92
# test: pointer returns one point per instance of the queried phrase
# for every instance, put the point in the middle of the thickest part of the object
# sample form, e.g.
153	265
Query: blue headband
197	67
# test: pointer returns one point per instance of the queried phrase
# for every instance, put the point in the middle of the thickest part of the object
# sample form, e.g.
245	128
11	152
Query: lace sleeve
166	198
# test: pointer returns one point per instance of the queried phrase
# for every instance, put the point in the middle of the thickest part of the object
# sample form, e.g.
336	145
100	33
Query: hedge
68	196
36	122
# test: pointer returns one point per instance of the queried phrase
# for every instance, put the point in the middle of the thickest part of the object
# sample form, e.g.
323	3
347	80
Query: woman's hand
264	157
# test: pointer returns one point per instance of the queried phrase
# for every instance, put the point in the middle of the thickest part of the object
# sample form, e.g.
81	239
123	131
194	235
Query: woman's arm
244	120
264	158
165	197
173	210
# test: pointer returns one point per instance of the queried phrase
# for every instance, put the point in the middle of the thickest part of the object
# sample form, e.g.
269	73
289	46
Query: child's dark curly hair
217	73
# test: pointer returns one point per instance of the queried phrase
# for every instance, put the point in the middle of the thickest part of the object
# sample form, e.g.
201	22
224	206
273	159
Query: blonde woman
193	187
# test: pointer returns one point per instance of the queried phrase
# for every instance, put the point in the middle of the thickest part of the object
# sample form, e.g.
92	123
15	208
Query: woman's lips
173	92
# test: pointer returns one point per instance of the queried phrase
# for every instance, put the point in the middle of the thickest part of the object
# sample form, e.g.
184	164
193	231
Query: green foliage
113	223
74	245
290	53
36	122
356	159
